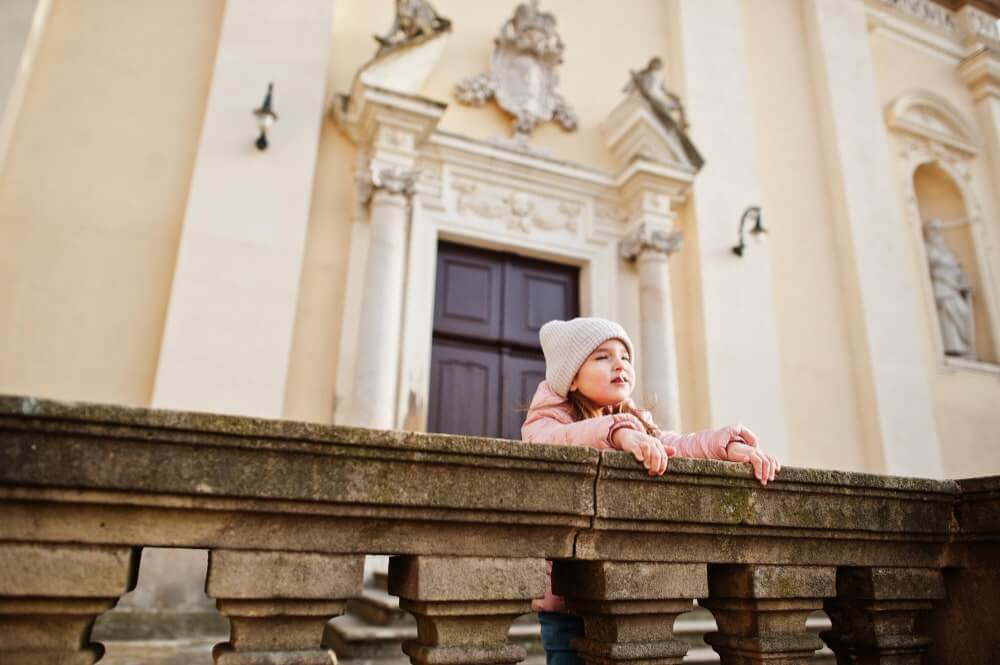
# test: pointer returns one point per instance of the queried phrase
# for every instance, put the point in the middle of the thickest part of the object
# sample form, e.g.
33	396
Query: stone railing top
128	476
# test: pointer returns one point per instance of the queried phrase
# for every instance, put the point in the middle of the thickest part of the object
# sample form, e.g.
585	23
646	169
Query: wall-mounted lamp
265	116
758	227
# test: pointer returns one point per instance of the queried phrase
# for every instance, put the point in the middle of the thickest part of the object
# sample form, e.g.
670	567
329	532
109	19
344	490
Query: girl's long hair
584	408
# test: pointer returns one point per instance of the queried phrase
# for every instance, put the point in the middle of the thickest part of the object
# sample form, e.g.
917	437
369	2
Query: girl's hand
764	465
646	449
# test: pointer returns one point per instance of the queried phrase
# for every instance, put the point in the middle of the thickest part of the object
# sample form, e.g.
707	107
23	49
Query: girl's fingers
757	463
671	451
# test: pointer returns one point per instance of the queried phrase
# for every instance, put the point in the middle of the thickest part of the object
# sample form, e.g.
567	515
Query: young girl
585	401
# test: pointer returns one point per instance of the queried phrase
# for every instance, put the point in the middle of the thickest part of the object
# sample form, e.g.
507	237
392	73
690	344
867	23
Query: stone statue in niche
665	105
523	76
415	20
952	293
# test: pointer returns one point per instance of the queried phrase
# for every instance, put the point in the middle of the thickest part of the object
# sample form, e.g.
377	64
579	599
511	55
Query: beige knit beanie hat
566	344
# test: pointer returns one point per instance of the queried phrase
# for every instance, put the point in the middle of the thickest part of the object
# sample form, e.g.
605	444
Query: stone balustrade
907	569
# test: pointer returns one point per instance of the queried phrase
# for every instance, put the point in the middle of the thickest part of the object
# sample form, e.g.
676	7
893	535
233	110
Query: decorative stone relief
523	76
389	178
952	293
918	149
521	211
647	238
415	21
926	11
978	22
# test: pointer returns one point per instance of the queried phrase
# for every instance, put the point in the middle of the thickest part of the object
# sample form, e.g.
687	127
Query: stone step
378	608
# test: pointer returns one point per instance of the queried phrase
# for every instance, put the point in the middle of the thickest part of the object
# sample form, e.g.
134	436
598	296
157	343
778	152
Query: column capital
390	179
981	72
650	238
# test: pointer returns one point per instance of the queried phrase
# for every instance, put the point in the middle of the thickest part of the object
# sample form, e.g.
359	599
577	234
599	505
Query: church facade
791	205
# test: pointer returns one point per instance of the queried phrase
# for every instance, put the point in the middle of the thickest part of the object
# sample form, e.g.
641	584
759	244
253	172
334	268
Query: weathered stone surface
278	603
50	597
875	614
762	582
761	611
965	629
890	583
432	578
464	606
609	580
67	571
629	609
253	574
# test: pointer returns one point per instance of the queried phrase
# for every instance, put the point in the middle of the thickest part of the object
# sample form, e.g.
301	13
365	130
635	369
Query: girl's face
606	376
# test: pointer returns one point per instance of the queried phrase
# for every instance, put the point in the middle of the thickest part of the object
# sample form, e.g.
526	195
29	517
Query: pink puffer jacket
550	420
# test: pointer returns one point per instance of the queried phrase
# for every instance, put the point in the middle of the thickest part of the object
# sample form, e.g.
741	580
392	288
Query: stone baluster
875	612
629	608
761	612
278	603
50	596
464	606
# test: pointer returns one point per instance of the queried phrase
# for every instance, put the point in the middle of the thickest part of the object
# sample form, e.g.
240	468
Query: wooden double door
486	361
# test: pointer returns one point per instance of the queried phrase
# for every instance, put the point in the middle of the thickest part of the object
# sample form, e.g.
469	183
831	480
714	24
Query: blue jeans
557	631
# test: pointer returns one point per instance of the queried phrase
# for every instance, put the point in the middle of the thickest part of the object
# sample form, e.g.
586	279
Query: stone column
373	392
981	73
761	612
278	603
650	247
50	596
875	614
629	608
464	606
884	309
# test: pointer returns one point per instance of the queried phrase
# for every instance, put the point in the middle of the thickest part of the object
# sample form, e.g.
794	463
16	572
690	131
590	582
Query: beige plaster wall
823	421
966	400
93	194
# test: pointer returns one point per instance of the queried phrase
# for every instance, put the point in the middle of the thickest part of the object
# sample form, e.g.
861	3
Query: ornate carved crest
523	76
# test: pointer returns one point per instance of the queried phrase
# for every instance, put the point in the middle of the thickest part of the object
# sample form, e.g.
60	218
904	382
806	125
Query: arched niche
937	146
938	197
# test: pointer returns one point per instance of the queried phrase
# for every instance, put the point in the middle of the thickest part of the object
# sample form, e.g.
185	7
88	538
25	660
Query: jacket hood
545	397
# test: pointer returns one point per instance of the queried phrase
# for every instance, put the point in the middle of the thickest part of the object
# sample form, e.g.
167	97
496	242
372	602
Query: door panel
465	383
468	293
535	293
521	375
486	360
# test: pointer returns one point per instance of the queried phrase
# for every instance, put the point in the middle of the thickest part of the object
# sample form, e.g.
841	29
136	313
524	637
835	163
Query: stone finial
523	76
648	238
